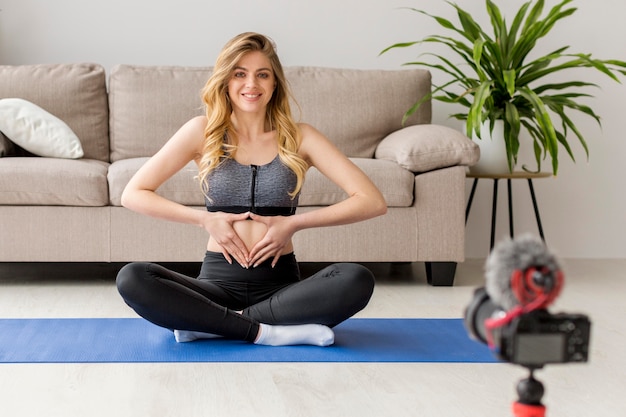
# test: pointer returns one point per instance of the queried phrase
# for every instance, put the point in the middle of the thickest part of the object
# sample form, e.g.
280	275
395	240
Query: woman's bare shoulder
306	129
309	135
194	129
198	122
315	145
188	140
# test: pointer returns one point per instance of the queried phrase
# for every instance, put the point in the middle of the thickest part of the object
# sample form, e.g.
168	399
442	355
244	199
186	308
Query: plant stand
529	176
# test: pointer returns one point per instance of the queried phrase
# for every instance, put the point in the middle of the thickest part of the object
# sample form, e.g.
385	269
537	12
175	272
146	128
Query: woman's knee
358	280
129	278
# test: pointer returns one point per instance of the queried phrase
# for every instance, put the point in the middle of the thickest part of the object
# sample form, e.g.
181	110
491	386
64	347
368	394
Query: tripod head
529	391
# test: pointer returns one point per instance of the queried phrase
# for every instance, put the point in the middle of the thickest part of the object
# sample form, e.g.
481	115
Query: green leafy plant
497	80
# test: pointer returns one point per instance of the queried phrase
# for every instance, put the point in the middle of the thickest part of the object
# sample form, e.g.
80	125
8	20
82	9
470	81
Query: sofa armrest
426	147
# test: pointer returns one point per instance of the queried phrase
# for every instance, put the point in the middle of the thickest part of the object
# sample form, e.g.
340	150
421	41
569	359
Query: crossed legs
298	312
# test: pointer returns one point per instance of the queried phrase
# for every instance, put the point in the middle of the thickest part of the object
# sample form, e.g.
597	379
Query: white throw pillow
37	131
426	147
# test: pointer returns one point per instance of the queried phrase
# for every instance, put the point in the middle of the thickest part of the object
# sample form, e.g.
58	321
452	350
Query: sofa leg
440	274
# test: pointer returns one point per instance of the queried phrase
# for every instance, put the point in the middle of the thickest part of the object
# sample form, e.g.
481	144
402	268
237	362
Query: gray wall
583	209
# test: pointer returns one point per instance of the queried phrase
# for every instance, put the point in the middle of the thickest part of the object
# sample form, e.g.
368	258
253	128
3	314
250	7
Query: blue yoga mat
136	340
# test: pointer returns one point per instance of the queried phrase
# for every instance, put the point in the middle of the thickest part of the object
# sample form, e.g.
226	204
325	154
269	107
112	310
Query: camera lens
480	309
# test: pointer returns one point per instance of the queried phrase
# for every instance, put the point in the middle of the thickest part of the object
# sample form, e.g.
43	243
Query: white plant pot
492	150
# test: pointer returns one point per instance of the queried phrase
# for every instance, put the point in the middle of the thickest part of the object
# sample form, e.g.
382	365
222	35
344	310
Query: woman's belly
251	233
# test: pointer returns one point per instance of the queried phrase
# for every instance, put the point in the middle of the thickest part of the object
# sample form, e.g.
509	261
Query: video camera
510	313
532	339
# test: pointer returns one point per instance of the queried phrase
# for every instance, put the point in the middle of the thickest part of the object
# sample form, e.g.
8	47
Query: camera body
539	337
532	339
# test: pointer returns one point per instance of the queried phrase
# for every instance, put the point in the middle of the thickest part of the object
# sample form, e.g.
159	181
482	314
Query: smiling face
252	83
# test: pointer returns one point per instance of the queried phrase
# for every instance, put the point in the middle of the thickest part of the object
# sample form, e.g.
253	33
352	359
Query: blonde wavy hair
219	109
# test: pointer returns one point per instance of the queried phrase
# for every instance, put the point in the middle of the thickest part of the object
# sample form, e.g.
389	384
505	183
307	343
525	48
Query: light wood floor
593	287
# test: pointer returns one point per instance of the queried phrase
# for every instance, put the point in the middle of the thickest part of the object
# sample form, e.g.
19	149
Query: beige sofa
68	210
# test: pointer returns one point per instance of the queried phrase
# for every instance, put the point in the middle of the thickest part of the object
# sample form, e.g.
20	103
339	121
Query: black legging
210	303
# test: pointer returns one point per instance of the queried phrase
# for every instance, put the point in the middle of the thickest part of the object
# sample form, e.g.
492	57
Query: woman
252	158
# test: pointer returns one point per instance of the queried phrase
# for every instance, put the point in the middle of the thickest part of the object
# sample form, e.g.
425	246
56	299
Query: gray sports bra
260	189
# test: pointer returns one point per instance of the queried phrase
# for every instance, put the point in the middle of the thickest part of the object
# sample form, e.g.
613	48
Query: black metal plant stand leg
510	206
511	232
471	198
537	217
494	205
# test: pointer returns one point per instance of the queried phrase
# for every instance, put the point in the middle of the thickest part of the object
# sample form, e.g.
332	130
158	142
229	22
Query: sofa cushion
356	109
52	181
426	147
75	93
149	104
182	187
38	131
394	182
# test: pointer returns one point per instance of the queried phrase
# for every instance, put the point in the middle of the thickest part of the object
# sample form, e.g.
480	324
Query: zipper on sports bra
252	188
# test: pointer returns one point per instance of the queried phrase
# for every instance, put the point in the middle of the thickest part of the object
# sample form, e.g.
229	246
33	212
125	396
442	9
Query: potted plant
498	80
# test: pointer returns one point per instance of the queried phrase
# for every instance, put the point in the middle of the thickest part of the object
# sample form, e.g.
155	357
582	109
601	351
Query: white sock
303	334
183	336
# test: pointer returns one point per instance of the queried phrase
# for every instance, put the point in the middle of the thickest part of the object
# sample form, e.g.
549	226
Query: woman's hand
220	227
279	232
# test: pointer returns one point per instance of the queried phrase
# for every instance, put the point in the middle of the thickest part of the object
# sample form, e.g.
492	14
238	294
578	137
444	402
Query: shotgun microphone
522	271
